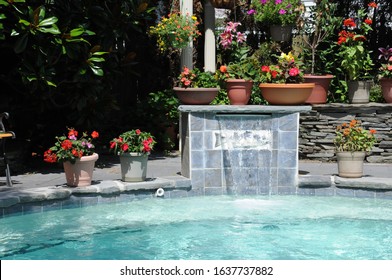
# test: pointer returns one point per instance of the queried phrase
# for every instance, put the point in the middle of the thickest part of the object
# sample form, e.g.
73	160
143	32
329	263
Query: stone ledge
364	183
13	196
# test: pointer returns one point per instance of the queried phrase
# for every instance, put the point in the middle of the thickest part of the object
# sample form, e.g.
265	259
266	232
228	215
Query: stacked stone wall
317	130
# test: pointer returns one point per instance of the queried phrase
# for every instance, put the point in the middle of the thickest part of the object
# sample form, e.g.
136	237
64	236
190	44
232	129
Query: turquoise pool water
208	228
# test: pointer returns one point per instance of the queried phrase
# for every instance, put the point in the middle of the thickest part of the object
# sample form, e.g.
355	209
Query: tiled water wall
240	149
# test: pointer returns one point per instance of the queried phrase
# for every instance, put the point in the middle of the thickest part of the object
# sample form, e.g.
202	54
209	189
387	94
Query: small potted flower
279	15
283	83
175	31
195	87
76	154
351	143
239	77
355	55
133	147
385	73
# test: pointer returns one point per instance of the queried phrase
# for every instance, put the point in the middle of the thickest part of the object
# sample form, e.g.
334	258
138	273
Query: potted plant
351	144
195	87
239	77
385	73
279	15
175	31
283	83
355	56
76	154
133	147
317	26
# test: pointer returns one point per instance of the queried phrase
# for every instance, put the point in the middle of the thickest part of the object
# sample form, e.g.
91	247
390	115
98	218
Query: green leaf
2	16
24	22
48	21
21	43
96	70
76	32
51	83
97	59
53	30
100	53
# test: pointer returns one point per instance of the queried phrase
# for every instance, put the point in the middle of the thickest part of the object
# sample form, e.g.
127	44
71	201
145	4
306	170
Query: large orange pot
320	91
286	94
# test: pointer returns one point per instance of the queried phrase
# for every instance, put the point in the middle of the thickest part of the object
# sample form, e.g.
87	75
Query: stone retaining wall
317	129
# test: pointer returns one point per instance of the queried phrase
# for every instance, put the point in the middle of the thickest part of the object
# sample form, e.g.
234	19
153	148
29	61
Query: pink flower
251	12
294	72
263	2
278	2
282	11
265	68
240	37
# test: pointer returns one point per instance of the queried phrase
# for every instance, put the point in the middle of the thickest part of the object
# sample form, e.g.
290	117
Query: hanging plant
175	31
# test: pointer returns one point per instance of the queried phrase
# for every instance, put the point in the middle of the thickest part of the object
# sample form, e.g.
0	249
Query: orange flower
346	131
349	22
368	21
372	4
372	131
353	123
95	134
223	69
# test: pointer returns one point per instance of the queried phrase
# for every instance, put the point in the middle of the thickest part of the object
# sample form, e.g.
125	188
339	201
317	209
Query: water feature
240	149
206	228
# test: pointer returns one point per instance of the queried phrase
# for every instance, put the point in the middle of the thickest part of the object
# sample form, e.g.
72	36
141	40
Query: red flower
66	145
146	146
125	147
294	72
137	131
50	157
372	4
349	22
77	154
95	134
274	74
368	21
72	134
265	68
223	69
112	145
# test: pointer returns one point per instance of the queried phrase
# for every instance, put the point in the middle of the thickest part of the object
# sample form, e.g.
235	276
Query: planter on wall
320	91
281	33
359	91
386	87
286	94
133	167
196	96
350	164
80	173
239	91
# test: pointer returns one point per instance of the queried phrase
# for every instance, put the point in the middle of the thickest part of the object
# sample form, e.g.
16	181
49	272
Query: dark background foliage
134	90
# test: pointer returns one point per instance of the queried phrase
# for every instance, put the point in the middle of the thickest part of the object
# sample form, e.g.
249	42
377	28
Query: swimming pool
208	228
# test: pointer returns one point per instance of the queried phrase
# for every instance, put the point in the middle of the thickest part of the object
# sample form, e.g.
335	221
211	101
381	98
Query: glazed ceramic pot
320	91
80	173
133	167
239	91
350	164
196	96
286	94
386	87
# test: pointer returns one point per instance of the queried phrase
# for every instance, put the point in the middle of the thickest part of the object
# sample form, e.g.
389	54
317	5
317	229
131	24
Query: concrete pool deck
315	178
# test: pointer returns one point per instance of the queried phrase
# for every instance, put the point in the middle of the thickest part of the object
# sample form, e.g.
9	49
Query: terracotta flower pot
386	87
196	96
286	94
239	91
320	91
80	173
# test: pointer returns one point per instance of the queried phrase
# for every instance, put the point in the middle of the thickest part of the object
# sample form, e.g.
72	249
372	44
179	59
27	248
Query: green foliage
133	141
196	79
247	68
271	12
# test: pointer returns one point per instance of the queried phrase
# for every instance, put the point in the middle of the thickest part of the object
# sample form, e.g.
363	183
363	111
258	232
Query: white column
186	7
209	38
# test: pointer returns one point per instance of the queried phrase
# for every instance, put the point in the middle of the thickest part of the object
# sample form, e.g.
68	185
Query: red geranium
134	141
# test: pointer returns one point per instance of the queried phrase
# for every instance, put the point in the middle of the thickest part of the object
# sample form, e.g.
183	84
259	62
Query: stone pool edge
179	186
